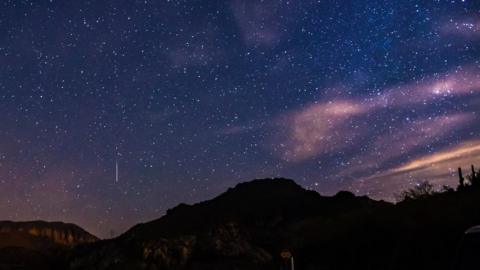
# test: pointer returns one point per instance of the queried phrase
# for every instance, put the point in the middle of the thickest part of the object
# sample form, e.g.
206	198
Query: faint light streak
449	155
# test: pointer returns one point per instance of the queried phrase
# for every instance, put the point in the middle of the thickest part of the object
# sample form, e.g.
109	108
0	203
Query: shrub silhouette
419	191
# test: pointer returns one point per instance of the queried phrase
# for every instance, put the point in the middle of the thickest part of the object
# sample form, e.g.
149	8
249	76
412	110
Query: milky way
192	97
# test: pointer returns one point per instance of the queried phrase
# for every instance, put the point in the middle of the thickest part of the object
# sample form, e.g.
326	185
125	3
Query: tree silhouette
419	191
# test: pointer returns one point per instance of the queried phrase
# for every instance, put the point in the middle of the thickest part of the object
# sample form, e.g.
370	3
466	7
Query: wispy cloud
259	21
405	140
419	133
323	127
318	128
465	27
439	168
451	156
458	82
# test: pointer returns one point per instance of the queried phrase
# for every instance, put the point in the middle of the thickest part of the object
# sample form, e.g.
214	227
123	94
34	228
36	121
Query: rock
57	233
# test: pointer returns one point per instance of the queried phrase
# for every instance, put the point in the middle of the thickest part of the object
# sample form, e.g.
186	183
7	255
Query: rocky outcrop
229	241
55	233
168	253
200	251
39	245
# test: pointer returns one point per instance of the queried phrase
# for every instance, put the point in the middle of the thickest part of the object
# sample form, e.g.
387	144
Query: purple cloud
260	22
404	140
318	128
459	82
466	27
323	127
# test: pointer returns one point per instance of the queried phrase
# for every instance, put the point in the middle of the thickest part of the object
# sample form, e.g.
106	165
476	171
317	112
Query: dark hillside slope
245	227
418	234
259	203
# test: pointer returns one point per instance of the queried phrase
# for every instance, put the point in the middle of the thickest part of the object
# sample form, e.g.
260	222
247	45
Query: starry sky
191	97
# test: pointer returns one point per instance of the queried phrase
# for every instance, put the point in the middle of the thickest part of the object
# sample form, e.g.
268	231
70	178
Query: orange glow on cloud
463	151
438	168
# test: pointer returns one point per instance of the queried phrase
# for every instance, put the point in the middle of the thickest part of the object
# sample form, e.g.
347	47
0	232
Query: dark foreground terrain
248	227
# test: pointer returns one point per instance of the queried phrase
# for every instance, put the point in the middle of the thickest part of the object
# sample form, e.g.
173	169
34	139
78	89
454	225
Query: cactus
474	176
460	178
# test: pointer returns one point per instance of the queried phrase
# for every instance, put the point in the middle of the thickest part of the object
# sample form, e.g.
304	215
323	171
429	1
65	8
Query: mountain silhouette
243	228
252	225
267	203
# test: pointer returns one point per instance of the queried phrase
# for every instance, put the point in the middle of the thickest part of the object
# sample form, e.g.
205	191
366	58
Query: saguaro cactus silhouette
474	177
461	180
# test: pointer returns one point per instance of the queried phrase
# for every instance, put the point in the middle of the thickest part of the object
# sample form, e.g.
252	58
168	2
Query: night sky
191	97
